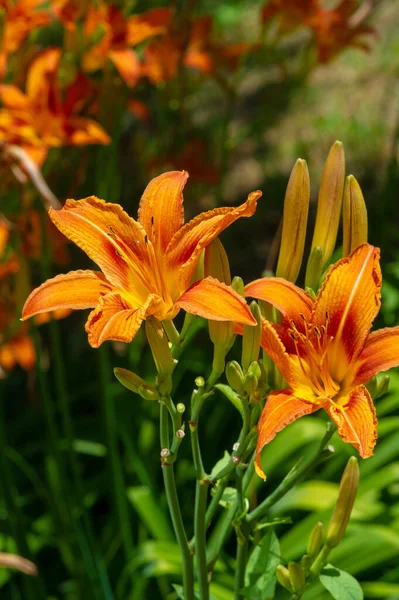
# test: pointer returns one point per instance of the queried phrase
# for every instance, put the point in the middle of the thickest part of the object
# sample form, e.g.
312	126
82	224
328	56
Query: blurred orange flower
117	36
200	51
333	28
21	18
147	264
325	350
42	118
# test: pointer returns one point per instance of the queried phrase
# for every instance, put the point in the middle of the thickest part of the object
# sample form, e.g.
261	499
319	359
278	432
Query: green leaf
150	512
260	574
340	584
232	396
228	497
221	464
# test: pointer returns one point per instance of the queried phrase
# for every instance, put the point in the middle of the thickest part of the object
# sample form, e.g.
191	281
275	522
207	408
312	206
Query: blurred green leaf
150	513
260	574
340	584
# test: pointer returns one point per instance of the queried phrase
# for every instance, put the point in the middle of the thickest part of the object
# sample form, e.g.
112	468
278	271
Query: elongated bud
354	215
159	345
136	384
297	577
251	338
283	577
306	563
250	383
330	201
346	498
235	376
382	386
316	539
296	208
216	264
314	269
238	286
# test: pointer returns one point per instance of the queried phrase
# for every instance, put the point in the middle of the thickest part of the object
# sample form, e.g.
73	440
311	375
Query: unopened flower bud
314	269
354	216
330	201
343	508
306	563
315	541
296	207
251	338
382	385
250	383
158	341
199	381
136	384
238	286
216	264
180	407
283	577
297	577
235	376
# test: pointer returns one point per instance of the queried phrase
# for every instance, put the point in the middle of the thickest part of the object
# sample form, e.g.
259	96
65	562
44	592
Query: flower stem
174	508
292	478
241	563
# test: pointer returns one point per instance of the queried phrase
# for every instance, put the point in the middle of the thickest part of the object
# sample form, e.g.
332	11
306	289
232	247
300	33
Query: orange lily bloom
42	118
21	18
119	34
325	350
147	265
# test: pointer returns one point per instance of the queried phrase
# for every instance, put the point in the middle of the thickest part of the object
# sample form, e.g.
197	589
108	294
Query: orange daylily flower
163	56
119	33
147	265
21	18
42	118
325	350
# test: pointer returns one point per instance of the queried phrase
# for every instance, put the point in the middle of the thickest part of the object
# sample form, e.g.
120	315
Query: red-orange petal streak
380	353
111	239
187	244
281	409
113	319
128	65
211	299
75	290
351	296
289	299
161	210
356	420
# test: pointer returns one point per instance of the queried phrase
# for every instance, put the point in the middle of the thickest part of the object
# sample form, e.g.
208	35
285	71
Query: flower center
311	348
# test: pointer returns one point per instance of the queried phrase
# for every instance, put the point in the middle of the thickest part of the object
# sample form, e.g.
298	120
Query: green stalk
174	508
292	478
241	563
120	502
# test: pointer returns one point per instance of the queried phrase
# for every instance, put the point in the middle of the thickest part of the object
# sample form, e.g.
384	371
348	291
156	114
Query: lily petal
112	239
289	299
113	319
128	64
161	210
356	420
23	351
273	345
211	299
185	248
281	409
350	296
380	353
76	290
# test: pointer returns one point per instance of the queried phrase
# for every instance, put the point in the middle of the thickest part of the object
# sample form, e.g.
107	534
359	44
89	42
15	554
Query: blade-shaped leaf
340	584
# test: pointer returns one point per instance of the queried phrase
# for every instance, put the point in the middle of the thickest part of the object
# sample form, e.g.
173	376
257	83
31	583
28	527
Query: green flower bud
216	264
158	341
354	215
250	383
296	207
251	338
283	577
306	563
314	269
315	541
136	384
235	376
343	508
297	577
238	286
382	385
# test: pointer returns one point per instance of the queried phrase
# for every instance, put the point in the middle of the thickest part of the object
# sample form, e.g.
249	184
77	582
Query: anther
316	330
111	232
